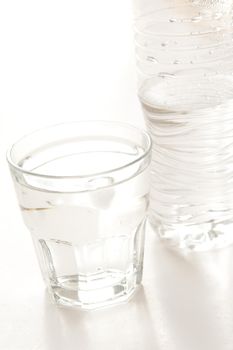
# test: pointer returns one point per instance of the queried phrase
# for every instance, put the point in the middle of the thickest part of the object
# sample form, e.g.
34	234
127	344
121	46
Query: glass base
96	290
92	275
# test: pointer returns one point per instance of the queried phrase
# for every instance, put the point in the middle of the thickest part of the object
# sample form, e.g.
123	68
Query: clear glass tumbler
83	192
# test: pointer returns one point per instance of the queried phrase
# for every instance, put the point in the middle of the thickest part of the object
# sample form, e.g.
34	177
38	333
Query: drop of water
195	19
218	29
166	75
152	59
176	62
163	44
218	15
172	20
210	52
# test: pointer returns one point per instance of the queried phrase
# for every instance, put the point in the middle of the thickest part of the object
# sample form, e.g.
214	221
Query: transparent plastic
184	52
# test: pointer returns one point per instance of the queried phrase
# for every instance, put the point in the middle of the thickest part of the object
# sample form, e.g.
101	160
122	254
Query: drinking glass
83	190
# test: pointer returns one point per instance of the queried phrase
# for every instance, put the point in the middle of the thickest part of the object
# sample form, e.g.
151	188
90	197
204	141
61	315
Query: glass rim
143	132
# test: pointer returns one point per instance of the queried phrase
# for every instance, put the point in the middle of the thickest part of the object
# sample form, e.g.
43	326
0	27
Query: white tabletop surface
70	60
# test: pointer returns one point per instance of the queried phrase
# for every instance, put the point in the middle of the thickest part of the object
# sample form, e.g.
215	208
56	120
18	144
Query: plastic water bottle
184	52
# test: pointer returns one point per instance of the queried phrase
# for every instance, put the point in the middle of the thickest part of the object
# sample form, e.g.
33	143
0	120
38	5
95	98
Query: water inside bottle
190	119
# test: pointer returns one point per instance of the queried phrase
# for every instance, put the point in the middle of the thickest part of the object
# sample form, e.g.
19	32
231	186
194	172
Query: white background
70	60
